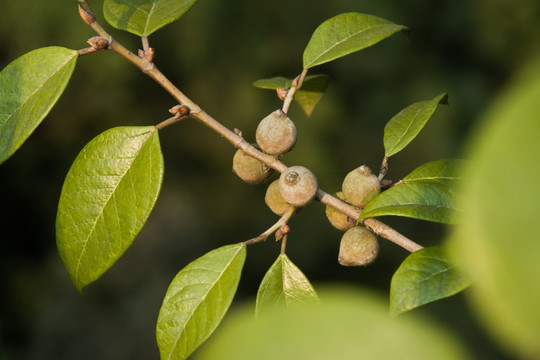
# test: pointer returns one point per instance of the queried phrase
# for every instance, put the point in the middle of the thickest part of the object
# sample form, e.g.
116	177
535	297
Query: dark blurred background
466	48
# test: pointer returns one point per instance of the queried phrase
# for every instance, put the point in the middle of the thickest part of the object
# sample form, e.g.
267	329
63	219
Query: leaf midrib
83	250
17	109
190	317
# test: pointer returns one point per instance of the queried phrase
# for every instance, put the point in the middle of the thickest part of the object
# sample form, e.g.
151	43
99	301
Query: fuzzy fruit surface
338	219
250	169
360	186
276	134
274	200
358	247
298	185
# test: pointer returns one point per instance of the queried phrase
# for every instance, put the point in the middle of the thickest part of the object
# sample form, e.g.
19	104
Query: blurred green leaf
425	276
309	94
499	239
143	17
406	125
29	88
284	285
107	196
345	34
278	82
428	193
197	300
345	325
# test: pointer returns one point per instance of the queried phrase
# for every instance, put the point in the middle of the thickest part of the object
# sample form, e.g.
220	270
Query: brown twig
237	140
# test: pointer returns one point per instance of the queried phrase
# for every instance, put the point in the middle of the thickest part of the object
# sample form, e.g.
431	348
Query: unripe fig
338	219
276	133
274	200
360	186
358	247
298	185
250	169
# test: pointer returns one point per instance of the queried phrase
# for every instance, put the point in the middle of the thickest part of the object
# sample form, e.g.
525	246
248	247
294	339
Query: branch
278	225
235	139
296	85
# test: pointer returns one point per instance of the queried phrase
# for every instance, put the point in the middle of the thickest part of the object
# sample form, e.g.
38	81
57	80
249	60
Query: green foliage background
214	53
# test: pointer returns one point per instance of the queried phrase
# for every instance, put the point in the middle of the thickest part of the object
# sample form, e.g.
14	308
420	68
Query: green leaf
428	193
345	34
346	324
425	276
309	94
284	285
406	125
197	301
107	196
278	82
143	17
498	242
29	88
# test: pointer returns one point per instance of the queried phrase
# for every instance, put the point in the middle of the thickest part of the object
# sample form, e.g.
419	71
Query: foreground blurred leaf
499	240
345	34
197	301
284	284
345	325
309	94
428	193
406	125
29	88
425	276
107	196
143	17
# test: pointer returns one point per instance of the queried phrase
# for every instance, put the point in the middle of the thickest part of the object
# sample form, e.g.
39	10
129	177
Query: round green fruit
274	200
358	247
250	169
276	133
338	219
298	185
360	186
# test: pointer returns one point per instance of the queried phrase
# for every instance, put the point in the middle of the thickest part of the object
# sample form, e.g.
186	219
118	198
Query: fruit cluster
297	186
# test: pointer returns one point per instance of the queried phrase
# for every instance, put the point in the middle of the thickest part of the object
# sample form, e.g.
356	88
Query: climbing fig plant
115	180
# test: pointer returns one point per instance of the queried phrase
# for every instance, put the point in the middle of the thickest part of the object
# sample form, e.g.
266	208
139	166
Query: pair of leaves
143	17
336	37
427	193
106	198
309	94
29	88
201	293
425	276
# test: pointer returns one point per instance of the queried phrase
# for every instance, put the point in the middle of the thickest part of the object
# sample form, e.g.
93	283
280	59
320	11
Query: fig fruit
338	219
358	247
250	169
298	185
276	133
274	200
360	186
